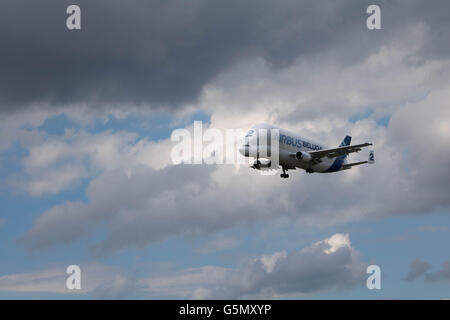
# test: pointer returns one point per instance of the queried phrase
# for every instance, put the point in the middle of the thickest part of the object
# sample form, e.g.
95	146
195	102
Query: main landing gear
284	175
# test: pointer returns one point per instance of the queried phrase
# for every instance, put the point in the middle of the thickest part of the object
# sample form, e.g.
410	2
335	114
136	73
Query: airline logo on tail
346	141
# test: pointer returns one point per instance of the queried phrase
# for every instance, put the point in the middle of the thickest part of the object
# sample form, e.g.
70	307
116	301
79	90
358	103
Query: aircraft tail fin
346	141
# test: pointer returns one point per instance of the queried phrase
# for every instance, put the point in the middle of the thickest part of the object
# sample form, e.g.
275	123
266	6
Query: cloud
187	283
417	269
57	163
269	261
310	270
143	207
149	205
420	268
442	275
321	267
322	90
161	55
329	264
144	199
53	280
118	286
312	68
13	127
219	243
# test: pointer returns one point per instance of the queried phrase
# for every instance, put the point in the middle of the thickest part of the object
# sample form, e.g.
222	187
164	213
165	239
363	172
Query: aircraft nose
242	150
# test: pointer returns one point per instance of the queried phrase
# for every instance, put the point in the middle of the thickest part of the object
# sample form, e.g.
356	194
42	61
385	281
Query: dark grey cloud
161	53
417	269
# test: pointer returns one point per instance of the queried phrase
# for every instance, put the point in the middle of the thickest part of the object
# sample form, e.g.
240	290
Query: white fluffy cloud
321	267
57	163
328	264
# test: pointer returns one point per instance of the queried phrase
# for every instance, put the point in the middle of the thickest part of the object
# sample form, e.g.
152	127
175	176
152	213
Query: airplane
298	152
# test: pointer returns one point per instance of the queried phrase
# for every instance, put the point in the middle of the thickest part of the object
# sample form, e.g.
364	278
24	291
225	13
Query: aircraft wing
336	152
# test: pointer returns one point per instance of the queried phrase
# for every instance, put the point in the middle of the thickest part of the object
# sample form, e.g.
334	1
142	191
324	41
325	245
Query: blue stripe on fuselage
339	161
337	164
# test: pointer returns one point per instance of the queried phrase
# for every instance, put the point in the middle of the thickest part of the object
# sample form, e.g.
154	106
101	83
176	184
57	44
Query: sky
87	177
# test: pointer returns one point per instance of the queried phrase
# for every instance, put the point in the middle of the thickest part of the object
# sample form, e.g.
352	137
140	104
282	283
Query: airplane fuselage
289	144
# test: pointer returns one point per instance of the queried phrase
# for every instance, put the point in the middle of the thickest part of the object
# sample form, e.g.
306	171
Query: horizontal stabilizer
349	165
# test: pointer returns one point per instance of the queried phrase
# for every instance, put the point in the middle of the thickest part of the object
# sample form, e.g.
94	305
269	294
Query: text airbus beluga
294	151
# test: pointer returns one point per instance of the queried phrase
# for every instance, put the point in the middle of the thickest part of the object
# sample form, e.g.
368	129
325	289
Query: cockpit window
250	133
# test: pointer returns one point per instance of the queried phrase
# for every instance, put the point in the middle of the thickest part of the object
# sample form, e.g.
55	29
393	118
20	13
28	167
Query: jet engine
261	164
303	156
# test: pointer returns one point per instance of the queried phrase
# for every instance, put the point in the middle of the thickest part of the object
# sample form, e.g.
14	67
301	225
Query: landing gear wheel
284	174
